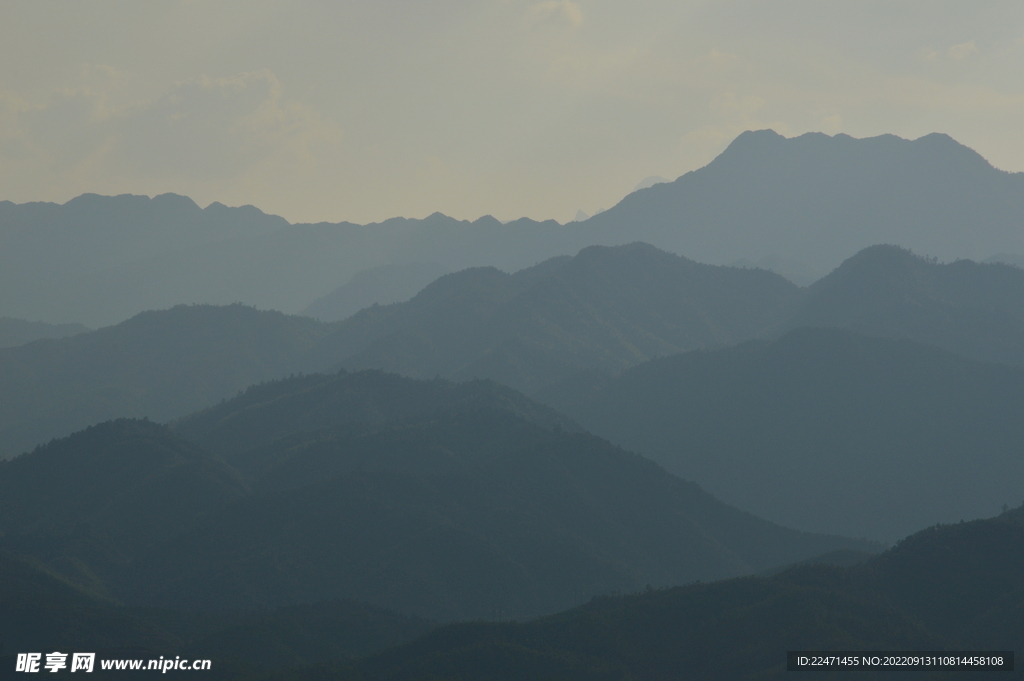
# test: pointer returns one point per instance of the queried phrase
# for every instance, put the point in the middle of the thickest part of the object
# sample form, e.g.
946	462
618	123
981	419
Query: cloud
956	53
962	51
217	126
563	11
200	129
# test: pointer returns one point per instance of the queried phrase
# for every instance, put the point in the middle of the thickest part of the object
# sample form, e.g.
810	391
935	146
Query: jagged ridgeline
603	310
803	204
450	501
606	308
316	509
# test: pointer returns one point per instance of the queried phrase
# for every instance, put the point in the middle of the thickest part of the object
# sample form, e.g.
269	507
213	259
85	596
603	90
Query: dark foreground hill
40	611
973	309
823	429
604	309
158	365
448	501
957	587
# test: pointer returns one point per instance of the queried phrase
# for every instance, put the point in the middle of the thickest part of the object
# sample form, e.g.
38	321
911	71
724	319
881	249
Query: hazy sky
367	110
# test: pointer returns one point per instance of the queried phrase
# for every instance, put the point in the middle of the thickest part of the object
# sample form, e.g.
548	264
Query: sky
361	111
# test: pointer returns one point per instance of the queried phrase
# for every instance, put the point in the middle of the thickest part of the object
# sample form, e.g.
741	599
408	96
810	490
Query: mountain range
608	308
800	205
972	309
953	587
817	198
159	365
822	429
603	310
448	501
650	444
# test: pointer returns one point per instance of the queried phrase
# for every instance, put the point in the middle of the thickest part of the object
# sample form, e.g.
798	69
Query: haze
365	111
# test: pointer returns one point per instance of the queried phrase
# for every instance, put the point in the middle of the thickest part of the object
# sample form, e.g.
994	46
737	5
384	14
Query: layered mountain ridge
449	501
810	200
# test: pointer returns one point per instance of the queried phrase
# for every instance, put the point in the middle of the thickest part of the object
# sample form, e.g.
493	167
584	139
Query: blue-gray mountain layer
808	202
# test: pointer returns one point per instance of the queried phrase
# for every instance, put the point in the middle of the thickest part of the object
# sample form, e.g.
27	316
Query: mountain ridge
821	429
813	199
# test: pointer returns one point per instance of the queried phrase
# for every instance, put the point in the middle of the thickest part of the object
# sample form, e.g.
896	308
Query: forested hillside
973	309
159	365
822	429
449	501
605	308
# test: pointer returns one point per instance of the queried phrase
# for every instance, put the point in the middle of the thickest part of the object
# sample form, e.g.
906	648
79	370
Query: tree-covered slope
955	587
299	407
448	501
158	364
605	308
125	481
972	309
38	609
464	516
41	612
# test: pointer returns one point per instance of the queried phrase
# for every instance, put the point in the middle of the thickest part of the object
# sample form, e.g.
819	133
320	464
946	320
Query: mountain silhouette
973	309
817	198
445	500
822	429
15	332
946	588
810	200
43	611
381	285
605	308
158	364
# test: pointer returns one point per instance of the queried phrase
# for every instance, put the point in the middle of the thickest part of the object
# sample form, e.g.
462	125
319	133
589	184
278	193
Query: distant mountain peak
889	252
763	141
650	182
